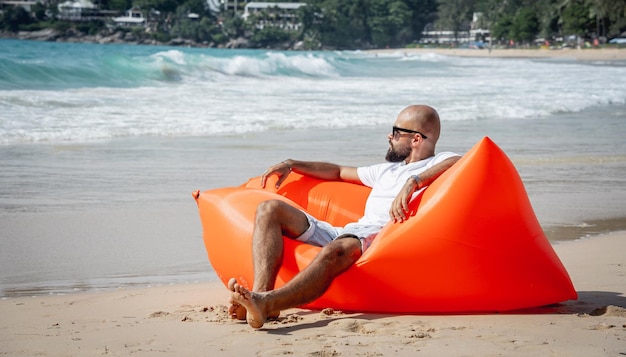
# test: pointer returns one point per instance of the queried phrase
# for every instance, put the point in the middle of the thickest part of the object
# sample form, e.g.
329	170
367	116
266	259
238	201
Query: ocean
102	145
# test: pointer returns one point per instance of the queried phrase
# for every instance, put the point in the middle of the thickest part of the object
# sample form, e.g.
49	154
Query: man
412	166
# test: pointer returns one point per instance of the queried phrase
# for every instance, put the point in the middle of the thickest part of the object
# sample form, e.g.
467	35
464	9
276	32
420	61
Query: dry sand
190	320
590	54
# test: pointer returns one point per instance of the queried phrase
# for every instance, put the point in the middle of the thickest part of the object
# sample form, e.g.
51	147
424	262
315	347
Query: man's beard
394	155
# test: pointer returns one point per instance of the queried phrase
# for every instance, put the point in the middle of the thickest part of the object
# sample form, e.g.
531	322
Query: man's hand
399	210
281	170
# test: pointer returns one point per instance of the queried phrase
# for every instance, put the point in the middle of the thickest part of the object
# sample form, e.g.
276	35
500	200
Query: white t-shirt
386	180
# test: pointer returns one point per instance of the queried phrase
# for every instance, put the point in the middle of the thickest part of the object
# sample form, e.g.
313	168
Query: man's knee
345	249
291	220
268	208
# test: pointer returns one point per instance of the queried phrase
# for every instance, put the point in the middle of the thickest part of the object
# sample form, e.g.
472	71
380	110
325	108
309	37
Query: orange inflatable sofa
472	243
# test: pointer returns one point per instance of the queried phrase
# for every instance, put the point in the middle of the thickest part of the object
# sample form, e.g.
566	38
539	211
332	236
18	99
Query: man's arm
400	207
320	170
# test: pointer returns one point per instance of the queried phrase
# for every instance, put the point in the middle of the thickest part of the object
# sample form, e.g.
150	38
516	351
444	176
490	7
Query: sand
190	320
589	54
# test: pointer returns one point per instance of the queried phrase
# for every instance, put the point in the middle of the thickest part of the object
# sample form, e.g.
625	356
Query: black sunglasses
396	130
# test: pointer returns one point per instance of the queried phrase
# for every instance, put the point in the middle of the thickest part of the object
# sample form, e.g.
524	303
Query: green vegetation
340	24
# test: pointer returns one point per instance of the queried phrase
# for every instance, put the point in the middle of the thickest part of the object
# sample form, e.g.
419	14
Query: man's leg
274	218
308	285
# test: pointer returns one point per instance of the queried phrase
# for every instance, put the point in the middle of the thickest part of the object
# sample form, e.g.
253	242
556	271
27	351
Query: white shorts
321	233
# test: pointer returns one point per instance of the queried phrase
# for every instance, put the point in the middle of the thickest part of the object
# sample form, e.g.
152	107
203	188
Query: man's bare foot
256	314
238	311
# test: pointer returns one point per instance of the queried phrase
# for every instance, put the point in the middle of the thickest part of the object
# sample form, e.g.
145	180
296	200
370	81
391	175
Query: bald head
423	119
415	119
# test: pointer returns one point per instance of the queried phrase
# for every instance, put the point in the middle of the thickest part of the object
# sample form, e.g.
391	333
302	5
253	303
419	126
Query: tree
423	12
611	12
234	27
547	17
119	5
38	11
306	15
575	18
14	17
455	15
502	28
199	7
199	30
390	23
356	24
164	6
344	24
525	26
270	36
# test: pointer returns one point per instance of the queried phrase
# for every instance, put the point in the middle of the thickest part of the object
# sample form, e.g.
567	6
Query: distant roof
127	19
19	2
133	16
83	4
281	5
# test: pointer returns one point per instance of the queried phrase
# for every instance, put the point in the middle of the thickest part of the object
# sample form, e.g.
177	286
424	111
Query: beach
191	320
101	249
588	54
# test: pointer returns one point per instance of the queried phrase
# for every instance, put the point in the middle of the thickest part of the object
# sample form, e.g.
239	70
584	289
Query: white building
77	10
475	34
283	14
132	18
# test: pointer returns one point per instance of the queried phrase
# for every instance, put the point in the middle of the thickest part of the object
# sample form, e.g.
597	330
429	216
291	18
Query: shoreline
557	233
582	54
588	54
199	269
142	321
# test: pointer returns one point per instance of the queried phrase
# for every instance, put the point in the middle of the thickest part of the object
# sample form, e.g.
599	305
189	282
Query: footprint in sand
158	314
610	310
